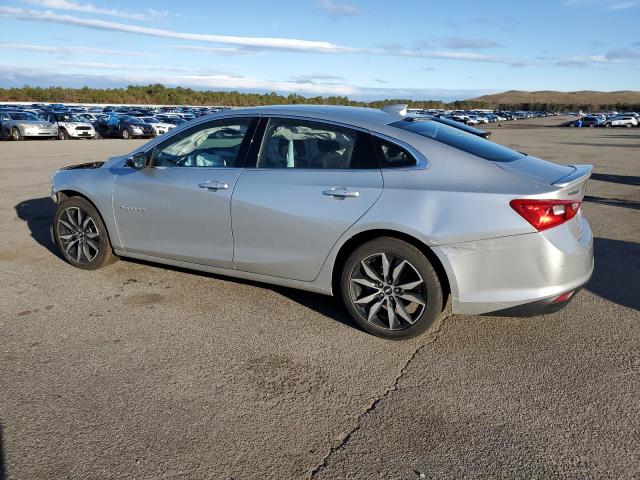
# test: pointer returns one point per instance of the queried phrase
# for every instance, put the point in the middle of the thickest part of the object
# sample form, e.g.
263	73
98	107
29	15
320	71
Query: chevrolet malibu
393	214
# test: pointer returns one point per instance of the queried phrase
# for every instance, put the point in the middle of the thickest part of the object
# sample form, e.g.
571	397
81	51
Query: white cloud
338	9
70	50
256	42
90	8
469	43
623	5
617	56
244	44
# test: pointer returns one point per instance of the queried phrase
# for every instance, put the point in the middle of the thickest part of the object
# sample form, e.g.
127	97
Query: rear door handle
214	185
341	192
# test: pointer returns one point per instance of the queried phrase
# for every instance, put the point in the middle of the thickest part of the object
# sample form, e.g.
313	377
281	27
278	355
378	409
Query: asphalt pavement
141	371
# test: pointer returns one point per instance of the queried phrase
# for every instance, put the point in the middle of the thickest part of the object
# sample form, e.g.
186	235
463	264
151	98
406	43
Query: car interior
212	147
301	146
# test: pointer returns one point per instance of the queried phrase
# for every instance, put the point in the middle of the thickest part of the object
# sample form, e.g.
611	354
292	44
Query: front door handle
214	185
341	192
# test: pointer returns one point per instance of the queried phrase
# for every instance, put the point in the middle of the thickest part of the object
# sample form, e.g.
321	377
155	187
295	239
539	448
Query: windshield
150	120
68	117
23	116
459	139
130	119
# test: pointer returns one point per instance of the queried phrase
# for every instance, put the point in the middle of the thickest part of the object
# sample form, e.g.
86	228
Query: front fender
96	185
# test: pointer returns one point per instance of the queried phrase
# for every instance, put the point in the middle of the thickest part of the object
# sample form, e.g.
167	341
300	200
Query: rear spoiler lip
580	174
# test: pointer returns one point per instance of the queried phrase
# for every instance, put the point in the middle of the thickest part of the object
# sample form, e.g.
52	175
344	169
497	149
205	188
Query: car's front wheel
16	135
62	134
125	134
391	289
81	235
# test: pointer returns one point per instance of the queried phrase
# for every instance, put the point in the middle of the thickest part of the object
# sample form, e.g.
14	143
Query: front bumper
502	273
40	132
82	133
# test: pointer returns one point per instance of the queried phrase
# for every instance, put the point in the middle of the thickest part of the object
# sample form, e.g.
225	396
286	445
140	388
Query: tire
607	125
97	136
125	134
572	125
72	239
62	134
629	125
16	135
418	305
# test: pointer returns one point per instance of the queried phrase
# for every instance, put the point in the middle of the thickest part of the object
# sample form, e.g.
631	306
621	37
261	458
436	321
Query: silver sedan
393	214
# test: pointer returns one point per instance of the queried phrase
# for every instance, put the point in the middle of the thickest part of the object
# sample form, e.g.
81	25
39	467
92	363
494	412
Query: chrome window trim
422	162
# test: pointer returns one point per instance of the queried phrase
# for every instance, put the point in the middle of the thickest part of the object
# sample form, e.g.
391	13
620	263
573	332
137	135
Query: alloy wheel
78	235
388	291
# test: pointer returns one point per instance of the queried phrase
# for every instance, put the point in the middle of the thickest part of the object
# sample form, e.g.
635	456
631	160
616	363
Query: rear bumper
539	307
506	273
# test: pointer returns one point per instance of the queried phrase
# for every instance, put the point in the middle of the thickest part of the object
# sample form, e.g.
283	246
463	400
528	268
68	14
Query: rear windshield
457	138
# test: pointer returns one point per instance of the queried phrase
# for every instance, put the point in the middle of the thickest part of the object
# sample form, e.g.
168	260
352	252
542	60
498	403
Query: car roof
357	116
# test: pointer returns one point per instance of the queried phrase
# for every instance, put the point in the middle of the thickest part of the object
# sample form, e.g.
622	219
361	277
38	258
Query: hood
43	123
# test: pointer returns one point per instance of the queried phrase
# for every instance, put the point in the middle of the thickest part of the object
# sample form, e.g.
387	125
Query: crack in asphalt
433	337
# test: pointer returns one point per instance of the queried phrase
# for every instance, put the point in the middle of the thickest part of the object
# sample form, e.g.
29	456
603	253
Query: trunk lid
569	179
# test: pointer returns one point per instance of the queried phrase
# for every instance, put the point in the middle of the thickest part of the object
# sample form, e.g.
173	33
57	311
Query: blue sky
362	49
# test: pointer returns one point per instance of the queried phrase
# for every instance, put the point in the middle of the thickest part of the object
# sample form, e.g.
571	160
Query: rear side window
302	144
459	139
391	155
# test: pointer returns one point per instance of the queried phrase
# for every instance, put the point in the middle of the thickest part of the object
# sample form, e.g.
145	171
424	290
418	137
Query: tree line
160	95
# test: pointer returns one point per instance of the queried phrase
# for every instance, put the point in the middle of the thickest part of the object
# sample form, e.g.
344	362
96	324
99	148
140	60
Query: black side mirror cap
137	160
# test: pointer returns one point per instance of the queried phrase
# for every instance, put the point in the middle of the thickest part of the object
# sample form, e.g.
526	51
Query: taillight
543	214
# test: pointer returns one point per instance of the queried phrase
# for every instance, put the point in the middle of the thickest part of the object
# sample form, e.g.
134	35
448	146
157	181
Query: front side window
213	144
302	144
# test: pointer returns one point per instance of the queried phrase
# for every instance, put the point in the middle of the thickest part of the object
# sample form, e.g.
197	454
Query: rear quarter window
457	138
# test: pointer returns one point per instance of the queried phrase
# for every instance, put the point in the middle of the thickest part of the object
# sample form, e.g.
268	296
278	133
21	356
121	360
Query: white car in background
158	125
622	121
70	125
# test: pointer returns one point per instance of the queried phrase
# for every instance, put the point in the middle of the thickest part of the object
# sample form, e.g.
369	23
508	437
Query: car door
179	205
304	186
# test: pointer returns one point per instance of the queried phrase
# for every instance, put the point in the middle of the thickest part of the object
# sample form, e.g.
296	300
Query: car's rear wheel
391	289
97	135
16	135
629	125
80	234
125	134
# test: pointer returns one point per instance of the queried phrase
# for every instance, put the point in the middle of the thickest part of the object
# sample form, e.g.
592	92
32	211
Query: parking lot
140	371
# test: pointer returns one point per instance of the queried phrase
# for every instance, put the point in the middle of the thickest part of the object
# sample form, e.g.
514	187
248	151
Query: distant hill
585	98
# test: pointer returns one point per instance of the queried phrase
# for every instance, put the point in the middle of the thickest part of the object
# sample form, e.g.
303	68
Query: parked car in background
159	126
622	121
123	126
18	125
170	118
71	126
391	214
588	121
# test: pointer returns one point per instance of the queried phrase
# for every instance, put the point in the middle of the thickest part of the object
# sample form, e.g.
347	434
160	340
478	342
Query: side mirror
138	160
